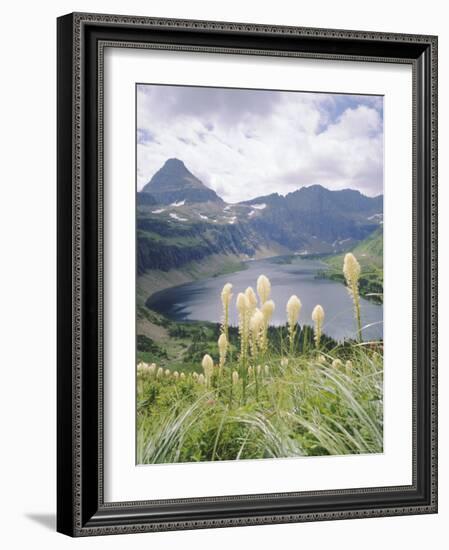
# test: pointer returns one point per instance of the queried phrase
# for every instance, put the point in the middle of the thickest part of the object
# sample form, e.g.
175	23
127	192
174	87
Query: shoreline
155	280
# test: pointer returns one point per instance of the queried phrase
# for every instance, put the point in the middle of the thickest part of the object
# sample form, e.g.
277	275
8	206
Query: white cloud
245	144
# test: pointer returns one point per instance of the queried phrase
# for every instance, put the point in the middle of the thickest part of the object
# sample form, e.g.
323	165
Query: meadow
265	392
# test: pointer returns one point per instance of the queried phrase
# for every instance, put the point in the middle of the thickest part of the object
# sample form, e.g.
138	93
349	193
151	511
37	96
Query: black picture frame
81	510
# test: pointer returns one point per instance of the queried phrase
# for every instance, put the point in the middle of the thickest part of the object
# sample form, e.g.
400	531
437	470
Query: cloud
210	104
245	143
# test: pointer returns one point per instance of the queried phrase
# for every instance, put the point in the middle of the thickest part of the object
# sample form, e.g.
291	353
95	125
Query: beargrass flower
222	348
256	322
263	288
226	296
293	310
235	377
144	368
176	375
208	367
242	303
351	271
252	299
201	379
318	318
160	372
243	308
152	368
268	310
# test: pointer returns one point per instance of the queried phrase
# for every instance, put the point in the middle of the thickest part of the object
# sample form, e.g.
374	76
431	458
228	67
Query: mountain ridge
179	219
174	172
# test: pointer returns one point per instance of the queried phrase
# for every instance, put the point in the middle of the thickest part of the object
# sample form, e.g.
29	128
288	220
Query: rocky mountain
181	220
174	183
316	213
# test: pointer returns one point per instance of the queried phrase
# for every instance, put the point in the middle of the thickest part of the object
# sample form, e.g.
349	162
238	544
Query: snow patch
377	217
251	214
203	217
176	217
178	203
259	206
158	211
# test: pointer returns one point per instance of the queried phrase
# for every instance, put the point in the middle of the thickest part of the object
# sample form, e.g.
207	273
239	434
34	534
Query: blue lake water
200	300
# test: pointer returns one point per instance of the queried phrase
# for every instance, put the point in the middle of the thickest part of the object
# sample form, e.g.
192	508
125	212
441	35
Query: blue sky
245	143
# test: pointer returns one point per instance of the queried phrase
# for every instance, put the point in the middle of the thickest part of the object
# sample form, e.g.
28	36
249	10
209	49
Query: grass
289	398
308	405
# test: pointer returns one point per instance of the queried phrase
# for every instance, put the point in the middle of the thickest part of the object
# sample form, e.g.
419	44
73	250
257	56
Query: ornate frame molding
81	510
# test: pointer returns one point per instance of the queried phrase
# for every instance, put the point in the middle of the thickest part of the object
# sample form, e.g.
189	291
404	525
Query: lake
200	300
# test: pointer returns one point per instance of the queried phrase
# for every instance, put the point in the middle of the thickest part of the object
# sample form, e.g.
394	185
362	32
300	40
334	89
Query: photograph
259	273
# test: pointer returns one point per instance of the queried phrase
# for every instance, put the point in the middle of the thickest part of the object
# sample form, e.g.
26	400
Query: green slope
369	253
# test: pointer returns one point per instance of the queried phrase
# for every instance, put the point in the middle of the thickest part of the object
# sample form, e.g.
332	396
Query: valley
187	233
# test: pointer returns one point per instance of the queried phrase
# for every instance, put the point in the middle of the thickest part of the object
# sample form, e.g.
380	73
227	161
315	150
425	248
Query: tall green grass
305	407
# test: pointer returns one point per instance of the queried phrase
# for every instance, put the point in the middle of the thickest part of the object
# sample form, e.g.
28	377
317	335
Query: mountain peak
314	189
174	182
174	163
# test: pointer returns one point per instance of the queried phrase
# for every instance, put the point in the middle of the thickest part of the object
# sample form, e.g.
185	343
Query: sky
247	143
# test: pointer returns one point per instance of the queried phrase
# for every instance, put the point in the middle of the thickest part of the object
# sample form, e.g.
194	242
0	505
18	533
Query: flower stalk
256	327
243	308
351	271
226	296
293	311
222	348
208	368
267	312
263	289
318	318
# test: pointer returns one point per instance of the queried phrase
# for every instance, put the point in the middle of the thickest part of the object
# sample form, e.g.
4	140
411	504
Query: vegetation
261	392
164	245
370	254
187	342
